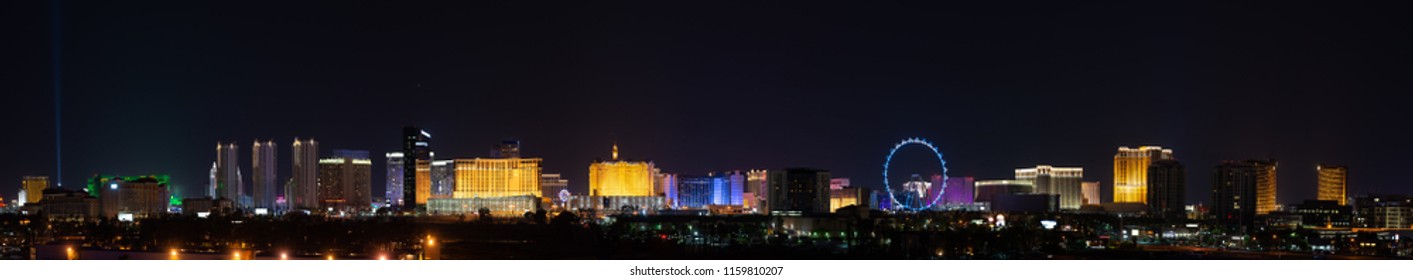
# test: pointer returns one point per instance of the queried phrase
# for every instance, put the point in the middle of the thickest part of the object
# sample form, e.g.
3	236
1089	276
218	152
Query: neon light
424	133
892	195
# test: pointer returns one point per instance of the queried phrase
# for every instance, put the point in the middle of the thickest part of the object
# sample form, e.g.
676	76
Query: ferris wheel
911	197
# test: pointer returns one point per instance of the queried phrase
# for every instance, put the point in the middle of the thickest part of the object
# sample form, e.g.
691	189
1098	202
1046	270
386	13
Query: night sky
714	85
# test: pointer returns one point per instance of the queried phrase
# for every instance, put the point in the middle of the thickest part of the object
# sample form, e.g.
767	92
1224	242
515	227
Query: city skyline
982	91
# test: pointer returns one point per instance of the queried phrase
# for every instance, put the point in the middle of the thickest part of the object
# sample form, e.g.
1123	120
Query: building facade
694	192
1091	193
988	190
393	187
303	193
142	197
1063	182
228	178
506	149
798	191
506	206
959	191
1384	211
668	182
497	177
1265	186
846	196
758	187
443	178
416	149
1131	172
551	185
621	177
32	189
264	179
1167	189
1234	193
1324	214
346	181
1333	183
68	205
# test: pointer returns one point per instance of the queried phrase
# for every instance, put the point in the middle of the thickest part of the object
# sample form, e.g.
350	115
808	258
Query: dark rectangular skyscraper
798	191
416	145
506	149
1167	189
1234	193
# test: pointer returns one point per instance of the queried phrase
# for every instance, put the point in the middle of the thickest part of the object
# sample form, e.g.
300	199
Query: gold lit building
1131	172
1333	180
844	196
494	177
34	188
1265	186
424	181
621	177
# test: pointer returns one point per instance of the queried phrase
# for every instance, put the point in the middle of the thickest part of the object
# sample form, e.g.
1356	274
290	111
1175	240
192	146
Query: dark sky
698	87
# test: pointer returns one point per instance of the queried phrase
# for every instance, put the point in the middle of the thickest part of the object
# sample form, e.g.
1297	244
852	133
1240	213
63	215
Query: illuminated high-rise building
1091	193
346	181
1063	182
393	189
1131	172
1167	189
211	187
443	178
1234	193
229	184
668	182
798	191
505	186
506	149
844	197
33	189
422	188
497	177
621	177
694	192
139	196
416	149
958	191
1333	183
303	193
264	176
728	188
758	187
1265	186
552	184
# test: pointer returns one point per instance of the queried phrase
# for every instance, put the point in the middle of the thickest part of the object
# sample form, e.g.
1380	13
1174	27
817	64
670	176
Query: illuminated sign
124	217
1048	224
203	214
424	133
262	211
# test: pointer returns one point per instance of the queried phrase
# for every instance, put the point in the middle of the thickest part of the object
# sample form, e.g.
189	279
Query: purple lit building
959	191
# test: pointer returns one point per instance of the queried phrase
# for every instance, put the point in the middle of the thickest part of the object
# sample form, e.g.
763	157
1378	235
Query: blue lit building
694	191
